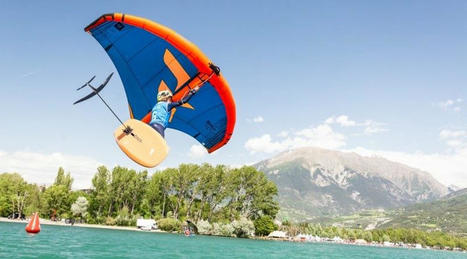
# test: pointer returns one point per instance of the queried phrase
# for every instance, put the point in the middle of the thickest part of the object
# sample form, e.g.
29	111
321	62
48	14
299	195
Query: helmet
163	94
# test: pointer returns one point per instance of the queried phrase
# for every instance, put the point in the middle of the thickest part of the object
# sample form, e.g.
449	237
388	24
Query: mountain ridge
319	182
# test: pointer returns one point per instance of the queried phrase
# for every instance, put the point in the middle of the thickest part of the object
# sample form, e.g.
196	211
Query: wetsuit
161	112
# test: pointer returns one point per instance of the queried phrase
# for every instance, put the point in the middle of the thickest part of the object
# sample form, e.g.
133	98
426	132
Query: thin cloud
369	126
258	119
342	120
451	104
455	139
373	127
320	136
197	151
29	74
445	133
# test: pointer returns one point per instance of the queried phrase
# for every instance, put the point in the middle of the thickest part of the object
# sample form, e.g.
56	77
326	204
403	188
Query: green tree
13	194
386	238
157	193
255	195
80	207
183	180
368	236
33	200
119	192
218	187
243	227
137	185
55	201
62	179
123	217
264	225
100	193
169	224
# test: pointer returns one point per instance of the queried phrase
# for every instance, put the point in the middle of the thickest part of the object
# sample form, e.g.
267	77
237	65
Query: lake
60	241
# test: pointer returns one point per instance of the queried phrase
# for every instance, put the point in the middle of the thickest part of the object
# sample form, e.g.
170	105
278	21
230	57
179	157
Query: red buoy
33	225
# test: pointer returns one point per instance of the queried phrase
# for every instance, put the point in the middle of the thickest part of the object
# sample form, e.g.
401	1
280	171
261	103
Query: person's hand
194	90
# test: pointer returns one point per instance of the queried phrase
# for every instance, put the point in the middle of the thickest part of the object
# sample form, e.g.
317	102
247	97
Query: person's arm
183	100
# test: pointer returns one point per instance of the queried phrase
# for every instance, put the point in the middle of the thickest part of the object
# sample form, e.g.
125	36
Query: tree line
394	235
214	194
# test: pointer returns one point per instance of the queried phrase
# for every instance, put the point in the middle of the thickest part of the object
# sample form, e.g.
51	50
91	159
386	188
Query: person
161	111
187	231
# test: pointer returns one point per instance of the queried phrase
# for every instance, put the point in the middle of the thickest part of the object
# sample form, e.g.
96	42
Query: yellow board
143	144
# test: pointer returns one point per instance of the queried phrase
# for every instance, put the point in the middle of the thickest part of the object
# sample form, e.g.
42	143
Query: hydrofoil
139	141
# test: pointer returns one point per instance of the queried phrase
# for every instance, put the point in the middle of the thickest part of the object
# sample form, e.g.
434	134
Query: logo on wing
180	74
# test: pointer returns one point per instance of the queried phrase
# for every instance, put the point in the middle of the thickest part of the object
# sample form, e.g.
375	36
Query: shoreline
348	242
84	225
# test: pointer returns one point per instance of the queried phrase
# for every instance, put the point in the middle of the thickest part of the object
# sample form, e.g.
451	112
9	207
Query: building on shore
146	224
278	234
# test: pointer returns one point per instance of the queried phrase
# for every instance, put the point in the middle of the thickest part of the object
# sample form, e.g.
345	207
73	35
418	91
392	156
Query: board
144	145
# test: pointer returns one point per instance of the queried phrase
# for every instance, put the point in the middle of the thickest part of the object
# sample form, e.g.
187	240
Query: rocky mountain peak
324	181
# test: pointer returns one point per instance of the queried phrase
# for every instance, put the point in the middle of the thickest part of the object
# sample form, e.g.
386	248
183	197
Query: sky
379	78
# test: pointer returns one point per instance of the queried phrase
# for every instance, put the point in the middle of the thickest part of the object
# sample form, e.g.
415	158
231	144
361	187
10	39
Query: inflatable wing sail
150	58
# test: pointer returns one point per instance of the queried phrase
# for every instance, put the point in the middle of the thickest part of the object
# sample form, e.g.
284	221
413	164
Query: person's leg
159	128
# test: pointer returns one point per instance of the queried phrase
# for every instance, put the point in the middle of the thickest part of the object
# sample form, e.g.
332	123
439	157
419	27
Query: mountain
458	193
314	182
453	188
448	214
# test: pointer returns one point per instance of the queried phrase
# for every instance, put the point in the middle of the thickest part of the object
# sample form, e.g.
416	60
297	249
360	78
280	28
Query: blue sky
384	78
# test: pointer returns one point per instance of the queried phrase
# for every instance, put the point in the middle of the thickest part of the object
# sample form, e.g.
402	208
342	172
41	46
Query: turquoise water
59	241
